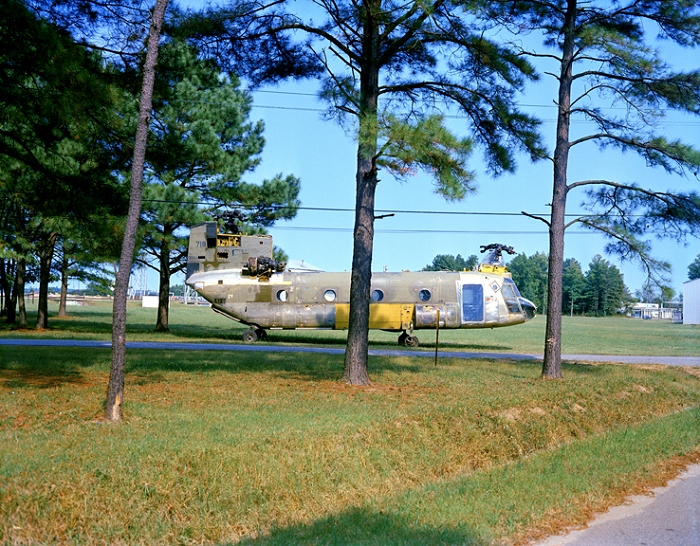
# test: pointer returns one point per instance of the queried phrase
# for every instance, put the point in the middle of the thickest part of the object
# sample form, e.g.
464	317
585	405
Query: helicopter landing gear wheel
262	334
250	336
412	341
406	340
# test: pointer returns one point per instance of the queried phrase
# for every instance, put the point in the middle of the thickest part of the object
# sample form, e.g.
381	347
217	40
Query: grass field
581	335
271	449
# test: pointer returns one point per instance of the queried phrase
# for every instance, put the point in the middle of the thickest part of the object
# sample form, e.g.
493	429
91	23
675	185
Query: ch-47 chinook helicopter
237	274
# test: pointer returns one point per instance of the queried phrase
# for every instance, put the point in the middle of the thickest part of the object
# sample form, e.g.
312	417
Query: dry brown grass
227	447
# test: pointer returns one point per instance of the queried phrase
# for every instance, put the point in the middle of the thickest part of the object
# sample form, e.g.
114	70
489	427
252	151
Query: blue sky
300	142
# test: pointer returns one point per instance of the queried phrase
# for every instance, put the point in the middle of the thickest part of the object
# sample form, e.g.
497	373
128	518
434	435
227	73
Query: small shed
691	302
149	301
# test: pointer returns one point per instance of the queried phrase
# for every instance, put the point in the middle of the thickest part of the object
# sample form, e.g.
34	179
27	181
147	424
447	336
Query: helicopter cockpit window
424	295
282	295
509	292
329	295
510	283
377	295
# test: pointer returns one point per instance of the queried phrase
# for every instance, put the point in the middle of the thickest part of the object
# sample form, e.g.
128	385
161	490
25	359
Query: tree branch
549	224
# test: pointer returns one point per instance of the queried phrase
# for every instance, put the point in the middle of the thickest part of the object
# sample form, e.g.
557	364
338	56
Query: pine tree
605	54
530	276
605	291
201	145
573	286
694	269
448	262
384	66
115	387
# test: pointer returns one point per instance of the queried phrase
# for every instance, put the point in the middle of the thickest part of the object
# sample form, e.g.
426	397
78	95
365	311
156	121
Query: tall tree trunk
356	356
551	367
19	293
64	285
45	257
12	297
115	388
164	286
5	287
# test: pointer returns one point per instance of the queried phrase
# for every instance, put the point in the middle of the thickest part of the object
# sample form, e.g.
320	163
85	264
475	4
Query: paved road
669	517
667	360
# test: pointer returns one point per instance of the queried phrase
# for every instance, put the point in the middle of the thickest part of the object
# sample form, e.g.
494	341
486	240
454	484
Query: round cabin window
329	295
282	295
424	295
377	295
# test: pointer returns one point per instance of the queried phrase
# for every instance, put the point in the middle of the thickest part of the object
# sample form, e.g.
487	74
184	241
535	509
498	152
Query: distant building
691	302
645	310
653	311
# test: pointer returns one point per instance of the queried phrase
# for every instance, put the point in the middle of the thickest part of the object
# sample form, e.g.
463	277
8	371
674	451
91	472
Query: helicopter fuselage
399	301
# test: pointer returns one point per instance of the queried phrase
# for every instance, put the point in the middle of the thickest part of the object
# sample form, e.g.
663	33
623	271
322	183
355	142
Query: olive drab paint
238	276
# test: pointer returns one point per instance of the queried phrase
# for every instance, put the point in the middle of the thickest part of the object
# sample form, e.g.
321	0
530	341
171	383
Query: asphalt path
186	346
669	516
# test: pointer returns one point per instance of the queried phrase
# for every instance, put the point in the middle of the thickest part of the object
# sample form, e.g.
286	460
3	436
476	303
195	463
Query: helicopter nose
528	308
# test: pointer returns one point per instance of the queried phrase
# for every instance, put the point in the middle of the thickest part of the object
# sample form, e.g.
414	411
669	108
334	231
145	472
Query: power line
394	211
428	231
435	212
453	116
574	121
292	108
270	92
297	93
524	105
381	211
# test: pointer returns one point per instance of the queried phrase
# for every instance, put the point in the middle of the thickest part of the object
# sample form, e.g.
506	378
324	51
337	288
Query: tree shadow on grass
310	366
46	367
306	366
569	369
64	364
583	368
363	527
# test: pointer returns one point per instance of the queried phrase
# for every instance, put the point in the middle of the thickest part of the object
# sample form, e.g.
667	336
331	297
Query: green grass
581	335
271	448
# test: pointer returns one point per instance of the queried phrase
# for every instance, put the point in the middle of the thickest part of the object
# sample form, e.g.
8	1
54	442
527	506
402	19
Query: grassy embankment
269	448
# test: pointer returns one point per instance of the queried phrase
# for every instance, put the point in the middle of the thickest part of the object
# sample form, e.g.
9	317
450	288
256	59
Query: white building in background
691	302
649	311
672	311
